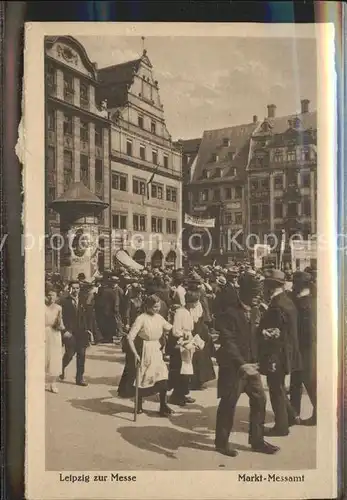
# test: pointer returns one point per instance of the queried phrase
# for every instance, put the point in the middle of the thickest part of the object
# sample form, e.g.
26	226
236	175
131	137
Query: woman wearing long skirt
53	342
181	350
145	350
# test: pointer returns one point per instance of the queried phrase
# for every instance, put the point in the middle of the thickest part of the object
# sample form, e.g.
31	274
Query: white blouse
183	324
149	327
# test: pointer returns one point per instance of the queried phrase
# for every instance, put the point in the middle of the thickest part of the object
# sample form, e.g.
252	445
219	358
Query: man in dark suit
228	295
76	337
307	336
285	359
107	308
238	373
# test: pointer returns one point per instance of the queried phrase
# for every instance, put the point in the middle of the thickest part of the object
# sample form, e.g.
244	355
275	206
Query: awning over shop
125	259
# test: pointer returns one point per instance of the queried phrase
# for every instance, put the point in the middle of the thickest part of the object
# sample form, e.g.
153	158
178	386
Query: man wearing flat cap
307	336
279	320
238	373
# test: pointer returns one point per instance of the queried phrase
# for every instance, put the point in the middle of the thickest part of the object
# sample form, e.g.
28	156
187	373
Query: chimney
255	118
271	110
305	106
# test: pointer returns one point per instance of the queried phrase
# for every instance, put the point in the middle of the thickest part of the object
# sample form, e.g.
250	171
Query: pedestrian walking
54	327
238	373
145	347
281	315
76	337
307	336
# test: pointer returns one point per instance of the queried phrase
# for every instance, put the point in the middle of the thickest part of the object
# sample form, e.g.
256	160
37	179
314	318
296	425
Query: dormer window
234	172
226	142
218	172
231	155
214	157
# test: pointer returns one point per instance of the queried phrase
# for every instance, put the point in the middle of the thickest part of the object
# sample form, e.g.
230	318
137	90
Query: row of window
279	157
120	221
68	173
229	220
291	178
262	210
69	87
142	154
293	155
120	183
204	195
68	128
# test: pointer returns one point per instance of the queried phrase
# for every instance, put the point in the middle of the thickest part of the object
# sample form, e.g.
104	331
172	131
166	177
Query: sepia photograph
181	265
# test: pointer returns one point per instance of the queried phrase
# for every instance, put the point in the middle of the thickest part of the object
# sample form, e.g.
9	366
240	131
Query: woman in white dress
144	342
53	341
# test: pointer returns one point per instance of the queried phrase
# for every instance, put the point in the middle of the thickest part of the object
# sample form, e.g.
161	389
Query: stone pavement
91	428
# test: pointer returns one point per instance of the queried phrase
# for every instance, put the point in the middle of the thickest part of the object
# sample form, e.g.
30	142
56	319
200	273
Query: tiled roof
189	145
115	80
213	144
232	145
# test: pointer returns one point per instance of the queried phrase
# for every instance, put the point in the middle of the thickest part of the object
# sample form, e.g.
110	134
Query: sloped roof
79	193
189	145
239	138
115	81
280	124
212	143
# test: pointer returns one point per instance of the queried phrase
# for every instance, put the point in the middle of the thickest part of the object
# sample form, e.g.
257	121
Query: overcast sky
214	82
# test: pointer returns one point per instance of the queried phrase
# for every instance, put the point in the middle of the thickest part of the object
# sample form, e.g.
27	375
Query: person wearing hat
228	295
307	335
238	373
281	316
107	308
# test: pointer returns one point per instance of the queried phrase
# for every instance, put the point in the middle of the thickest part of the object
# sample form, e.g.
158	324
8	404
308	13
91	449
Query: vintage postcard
179	211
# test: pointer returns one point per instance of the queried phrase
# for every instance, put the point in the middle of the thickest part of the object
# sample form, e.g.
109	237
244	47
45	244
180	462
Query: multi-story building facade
189	149
106	128
217	190
77	133
282	177
146	167
256	179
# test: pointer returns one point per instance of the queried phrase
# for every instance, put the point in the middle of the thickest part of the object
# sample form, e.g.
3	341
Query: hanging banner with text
198	221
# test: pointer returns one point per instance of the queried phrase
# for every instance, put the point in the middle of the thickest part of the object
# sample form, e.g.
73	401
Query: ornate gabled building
217	191
255	179
77	134
282	176
146	167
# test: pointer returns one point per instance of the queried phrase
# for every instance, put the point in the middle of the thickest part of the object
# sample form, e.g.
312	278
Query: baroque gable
71	53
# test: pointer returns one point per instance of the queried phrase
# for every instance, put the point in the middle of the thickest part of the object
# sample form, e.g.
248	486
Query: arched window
170	260
157	259
140	257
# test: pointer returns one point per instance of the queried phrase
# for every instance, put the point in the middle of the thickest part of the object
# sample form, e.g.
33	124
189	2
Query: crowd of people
172	324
